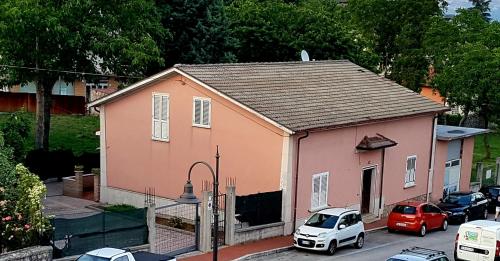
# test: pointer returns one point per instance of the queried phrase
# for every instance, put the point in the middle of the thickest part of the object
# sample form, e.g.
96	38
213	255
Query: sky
455	4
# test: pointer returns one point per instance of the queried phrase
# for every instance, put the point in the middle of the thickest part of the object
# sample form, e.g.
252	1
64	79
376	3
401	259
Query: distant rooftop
445	132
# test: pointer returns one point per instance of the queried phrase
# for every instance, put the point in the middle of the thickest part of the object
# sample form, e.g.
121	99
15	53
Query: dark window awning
375	143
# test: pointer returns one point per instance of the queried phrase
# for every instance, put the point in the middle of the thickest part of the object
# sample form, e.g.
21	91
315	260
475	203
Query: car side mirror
341	226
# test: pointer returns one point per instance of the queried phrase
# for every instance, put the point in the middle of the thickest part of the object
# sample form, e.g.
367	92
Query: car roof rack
426	252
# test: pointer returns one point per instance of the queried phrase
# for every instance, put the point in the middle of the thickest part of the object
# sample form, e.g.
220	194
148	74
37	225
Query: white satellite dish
304	55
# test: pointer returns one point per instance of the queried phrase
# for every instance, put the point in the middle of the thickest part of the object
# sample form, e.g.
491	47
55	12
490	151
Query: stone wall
37	253
243	235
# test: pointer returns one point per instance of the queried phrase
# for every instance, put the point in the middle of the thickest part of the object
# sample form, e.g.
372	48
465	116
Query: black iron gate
177	228
222	221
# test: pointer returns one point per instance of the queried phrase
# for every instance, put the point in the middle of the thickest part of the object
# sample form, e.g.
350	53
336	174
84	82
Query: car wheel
466	218
332	248
360	242
444	227
390	230
485	214
423	231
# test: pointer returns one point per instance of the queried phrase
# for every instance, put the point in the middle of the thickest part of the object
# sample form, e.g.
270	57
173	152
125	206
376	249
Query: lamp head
188	196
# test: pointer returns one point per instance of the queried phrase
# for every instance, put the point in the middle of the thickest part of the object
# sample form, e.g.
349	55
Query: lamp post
188	197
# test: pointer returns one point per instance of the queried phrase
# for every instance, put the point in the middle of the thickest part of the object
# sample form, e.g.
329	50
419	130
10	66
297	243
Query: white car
114	254
329	229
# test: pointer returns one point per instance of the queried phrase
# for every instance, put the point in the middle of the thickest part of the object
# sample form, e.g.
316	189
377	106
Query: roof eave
173	70
130	88
358	123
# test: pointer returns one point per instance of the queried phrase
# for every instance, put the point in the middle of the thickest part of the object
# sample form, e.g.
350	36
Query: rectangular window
201	112
411	167
319	195
160	117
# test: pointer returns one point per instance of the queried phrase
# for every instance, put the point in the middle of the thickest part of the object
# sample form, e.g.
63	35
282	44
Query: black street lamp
188	197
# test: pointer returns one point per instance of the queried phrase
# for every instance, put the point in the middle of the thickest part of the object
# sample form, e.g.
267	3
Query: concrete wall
120	196
250	147
248	234
334	151
37	253
439	168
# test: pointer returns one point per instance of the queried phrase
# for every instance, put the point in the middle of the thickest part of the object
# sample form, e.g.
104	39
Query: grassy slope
69	132
479	152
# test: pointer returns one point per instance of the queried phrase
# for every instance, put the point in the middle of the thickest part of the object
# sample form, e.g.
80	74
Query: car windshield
322	221
87	257
458	199
402	209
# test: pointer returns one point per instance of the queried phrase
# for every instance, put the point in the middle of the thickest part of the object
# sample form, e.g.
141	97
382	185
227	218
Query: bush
51	164
120	208
16	130
23	223
89	161
450	119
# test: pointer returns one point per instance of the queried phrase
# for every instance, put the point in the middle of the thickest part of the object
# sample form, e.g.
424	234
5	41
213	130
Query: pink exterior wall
439	168
250	148
334	152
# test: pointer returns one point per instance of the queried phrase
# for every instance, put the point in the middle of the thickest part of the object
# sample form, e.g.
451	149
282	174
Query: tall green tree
466	55
96	36
199	32
396	30
277	30
483	6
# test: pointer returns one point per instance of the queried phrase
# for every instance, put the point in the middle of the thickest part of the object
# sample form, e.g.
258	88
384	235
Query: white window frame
167	121
409	182
321	205
201	125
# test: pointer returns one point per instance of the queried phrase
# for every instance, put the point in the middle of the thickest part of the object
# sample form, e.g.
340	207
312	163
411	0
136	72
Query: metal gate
222	222
177	229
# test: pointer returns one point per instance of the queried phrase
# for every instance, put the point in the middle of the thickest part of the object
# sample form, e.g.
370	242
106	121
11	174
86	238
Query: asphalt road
379	245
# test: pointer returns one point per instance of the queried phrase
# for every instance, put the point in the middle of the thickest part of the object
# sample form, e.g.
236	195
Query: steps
369	218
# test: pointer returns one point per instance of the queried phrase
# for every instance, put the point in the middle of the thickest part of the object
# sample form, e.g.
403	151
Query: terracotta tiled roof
316	94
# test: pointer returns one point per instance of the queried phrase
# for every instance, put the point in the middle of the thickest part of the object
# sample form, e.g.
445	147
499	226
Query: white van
478	240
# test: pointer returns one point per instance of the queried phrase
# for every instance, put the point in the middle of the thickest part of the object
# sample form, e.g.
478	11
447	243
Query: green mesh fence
106	229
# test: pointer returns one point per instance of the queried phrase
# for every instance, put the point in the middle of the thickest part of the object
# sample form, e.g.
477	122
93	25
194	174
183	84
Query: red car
418	217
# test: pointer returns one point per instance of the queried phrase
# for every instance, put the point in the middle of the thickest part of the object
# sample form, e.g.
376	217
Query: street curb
288	248
375	229
264	253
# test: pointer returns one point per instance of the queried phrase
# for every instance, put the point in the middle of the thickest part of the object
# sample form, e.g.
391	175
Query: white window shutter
197	111
323	190
156	117
206	112
315	192
164	117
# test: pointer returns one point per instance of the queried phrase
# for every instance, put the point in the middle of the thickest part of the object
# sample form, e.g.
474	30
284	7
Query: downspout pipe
297	181
432	159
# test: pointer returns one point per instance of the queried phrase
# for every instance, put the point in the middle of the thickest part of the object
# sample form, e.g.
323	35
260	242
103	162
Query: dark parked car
465	206
491	193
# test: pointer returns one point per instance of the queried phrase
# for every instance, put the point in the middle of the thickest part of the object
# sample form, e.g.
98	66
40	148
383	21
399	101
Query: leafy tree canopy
200	32
466	56
103	36
276	30
396	30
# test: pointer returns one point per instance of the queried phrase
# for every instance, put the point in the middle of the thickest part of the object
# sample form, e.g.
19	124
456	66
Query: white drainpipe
433	159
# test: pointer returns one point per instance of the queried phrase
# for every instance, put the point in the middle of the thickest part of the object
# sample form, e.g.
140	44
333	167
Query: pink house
326	133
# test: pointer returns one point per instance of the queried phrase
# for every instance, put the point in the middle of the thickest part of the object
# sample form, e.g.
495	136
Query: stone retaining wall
258	232
37	253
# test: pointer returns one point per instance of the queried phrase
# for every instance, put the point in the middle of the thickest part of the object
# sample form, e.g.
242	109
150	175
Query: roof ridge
261	63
